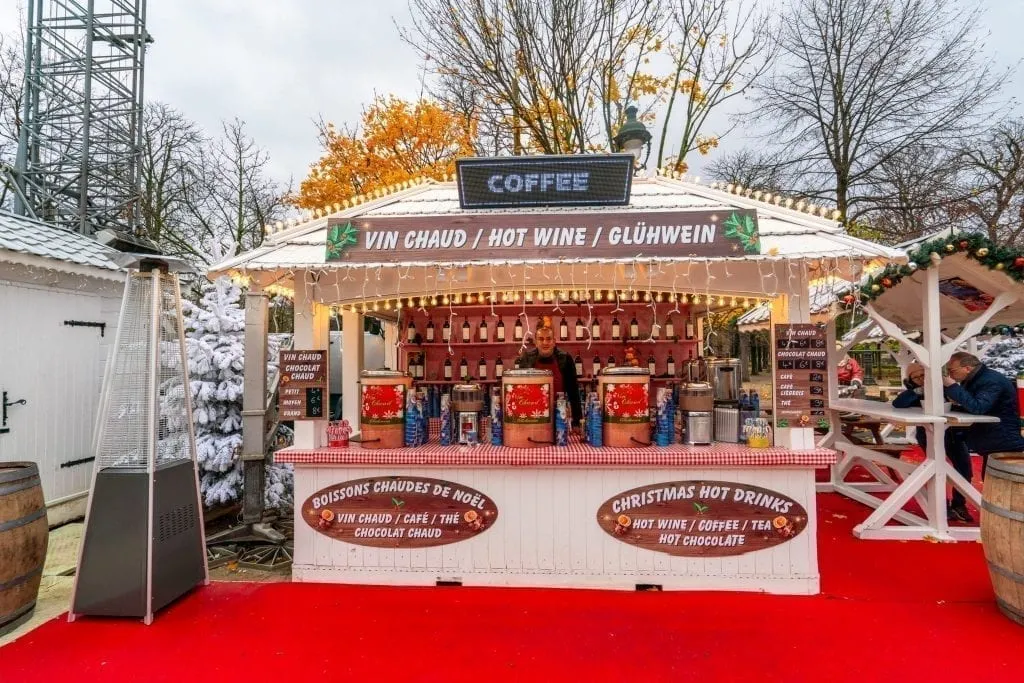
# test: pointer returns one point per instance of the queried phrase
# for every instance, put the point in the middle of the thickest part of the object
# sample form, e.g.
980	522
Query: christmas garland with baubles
973	245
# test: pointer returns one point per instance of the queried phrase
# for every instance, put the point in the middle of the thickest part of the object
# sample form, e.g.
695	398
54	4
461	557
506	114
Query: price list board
801	367
303	392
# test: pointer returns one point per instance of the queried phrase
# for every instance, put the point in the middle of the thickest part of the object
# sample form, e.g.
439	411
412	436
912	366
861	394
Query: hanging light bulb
647	296
375	306
445	300
387	305
634	296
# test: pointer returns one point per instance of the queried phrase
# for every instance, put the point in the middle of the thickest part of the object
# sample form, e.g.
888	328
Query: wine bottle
448	369
499	368
482	368
430	331
616	329
670	329
655	331
579	329
634	328
518	331
483	330
499	331
670	365
651	365
689	328
597	365
467	333
595	329
463	369
611	362
579	365
410	332
563	331
446	332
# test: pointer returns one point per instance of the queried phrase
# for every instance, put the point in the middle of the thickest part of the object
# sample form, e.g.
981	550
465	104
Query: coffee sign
801	367
702	518
399	512
303	390
545	181
474	237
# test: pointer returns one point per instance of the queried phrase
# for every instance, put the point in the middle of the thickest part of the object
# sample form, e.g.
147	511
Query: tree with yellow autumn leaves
395	141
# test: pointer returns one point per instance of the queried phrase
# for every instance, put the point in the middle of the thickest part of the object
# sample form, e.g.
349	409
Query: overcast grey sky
281	64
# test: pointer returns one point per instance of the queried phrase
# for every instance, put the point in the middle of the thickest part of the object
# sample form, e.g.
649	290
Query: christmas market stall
458	466
950	289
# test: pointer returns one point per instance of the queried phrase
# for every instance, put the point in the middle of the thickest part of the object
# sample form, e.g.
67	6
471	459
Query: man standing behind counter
547	356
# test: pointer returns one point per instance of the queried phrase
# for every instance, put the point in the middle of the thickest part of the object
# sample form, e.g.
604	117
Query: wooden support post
351	366
312	332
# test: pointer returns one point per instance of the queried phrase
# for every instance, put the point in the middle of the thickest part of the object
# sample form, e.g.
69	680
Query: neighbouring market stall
950	287
627	271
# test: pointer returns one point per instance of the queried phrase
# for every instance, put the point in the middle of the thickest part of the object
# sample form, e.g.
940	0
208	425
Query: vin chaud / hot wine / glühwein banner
470	237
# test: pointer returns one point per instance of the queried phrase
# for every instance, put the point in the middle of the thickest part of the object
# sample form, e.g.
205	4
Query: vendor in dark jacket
547	356
980	390
956	449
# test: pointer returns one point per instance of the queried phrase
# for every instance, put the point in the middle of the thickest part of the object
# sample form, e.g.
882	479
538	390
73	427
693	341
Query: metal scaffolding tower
79	148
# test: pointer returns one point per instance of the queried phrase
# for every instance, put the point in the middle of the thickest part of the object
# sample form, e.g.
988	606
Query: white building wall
58	369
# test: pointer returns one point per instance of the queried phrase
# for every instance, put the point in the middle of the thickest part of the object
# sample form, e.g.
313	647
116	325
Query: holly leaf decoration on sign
744	229
339	238
701	508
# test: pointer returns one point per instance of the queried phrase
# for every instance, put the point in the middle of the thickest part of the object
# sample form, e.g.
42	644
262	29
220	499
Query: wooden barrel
382	408
1002	530
23	537
528	408
625	401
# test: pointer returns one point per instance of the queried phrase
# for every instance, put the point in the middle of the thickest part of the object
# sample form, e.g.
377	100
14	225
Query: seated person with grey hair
980	390
956	450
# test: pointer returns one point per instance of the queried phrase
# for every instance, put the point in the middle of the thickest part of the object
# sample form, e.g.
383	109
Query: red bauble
963	244
1018	262
886	282
848	299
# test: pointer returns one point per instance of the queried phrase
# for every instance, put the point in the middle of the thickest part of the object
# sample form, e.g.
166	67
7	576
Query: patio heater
143	545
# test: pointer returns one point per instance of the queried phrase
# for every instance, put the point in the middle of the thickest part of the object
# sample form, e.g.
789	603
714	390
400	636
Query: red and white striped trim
574	455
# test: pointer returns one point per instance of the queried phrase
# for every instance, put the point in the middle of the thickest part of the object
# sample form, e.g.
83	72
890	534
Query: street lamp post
633	137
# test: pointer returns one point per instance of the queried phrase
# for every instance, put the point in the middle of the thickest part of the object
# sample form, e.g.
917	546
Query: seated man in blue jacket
956	449
980	390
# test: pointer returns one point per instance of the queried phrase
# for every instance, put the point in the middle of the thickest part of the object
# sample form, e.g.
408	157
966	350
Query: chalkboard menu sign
801	375
303	392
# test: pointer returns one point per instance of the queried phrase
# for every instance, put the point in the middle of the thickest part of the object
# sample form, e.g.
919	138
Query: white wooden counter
549	527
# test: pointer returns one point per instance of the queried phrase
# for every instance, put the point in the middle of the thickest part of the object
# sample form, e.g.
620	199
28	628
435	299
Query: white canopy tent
951	288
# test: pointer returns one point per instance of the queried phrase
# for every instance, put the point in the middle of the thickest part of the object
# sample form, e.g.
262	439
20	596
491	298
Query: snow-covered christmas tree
1005	354
216	358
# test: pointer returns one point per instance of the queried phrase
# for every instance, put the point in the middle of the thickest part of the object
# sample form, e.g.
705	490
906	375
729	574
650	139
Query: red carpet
888	611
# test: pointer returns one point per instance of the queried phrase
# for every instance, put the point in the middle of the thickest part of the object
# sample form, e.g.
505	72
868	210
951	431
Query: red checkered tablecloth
575	455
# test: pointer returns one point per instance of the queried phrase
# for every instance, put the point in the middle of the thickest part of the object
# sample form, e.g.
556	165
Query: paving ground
58	578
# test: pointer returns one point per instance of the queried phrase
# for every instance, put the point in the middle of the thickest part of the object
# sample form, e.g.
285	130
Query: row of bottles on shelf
483	371
483	331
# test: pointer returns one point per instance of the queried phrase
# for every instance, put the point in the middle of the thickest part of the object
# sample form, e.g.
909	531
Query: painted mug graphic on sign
399	512
383	404
702	518
626	403
527	403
